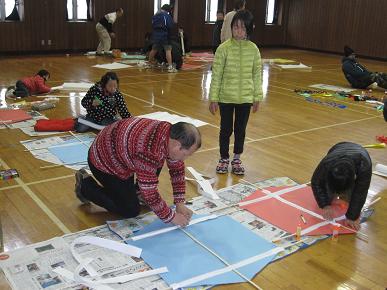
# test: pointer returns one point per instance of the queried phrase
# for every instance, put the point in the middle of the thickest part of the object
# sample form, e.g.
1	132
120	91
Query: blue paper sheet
186	259
72	151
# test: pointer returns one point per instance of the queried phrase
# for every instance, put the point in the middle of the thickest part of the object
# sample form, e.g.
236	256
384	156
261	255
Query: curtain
14	16
89	10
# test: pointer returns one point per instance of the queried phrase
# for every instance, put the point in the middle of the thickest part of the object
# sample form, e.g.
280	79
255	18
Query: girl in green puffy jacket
236	86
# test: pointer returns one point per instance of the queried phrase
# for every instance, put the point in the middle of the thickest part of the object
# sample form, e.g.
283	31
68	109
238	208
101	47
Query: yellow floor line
38	181
40	203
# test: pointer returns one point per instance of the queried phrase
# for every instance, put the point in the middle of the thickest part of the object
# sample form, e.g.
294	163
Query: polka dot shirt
109	105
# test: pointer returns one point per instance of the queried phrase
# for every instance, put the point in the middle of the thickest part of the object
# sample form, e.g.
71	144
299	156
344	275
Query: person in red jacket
29	86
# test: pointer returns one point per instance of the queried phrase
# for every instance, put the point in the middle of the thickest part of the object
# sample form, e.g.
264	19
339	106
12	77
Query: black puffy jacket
363	170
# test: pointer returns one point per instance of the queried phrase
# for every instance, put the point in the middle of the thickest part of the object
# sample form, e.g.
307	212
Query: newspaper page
124	228
31	267
39	148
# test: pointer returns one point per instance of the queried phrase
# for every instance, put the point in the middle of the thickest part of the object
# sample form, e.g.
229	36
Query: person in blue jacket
162	24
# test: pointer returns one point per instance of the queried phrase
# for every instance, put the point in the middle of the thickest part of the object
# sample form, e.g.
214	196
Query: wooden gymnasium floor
287	137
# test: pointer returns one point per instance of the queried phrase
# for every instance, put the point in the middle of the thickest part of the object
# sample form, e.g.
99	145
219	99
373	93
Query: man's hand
352	224
181	208
327	212
180	220
213	107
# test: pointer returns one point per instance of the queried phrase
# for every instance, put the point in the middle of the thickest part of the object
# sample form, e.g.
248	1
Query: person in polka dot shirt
103	103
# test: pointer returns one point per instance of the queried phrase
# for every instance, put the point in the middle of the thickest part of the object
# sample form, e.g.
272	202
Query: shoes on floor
9	93
222	166
237	167
79	176
171	69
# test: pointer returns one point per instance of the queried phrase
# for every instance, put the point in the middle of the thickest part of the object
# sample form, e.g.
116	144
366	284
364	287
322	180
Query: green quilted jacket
236	73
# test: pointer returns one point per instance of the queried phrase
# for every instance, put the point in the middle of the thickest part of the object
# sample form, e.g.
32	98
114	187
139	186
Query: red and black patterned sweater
140	146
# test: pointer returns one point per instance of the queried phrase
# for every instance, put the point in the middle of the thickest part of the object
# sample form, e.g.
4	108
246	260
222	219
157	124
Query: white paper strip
324	223
205	184
103	243
120	279
158	232
90	124
230	268
70	276
271	194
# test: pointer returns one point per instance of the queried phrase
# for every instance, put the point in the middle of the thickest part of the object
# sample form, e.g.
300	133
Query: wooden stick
221	259
4	122
373	202
83	142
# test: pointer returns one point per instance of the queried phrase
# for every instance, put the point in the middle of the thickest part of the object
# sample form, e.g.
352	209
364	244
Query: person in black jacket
105	31
345	173
357	75
217	28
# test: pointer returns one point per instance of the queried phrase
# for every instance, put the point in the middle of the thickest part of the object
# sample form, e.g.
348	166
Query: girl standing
235	87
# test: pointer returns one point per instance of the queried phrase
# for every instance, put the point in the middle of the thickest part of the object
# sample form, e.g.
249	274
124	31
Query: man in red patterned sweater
139	146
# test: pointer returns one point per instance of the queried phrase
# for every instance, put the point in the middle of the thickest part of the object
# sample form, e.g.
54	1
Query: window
211	9
159	3
11	10
270	8
78	10
274	12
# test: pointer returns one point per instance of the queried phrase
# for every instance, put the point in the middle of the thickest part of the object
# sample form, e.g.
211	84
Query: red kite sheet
9	116
290	207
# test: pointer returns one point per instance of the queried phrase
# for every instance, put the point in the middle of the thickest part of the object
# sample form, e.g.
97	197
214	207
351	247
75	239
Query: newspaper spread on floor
39	148
32	267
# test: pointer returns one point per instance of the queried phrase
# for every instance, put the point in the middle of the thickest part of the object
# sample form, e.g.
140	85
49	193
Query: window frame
157	5
19	7
207	16
75	11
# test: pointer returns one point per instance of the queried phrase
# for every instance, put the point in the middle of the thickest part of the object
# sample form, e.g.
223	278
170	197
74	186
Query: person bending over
345	173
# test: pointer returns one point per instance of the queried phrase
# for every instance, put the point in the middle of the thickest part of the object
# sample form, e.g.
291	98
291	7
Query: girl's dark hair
246	18
238	4
108	77
341	176
43	73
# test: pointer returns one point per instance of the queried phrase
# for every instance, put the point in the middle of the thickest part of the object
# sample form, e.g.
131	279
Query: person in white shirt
225	32
105	31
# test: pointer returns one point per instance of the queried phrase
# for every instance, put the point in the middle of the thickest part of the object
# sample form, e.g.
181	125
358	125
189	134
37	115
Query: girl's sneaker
222	166
237	167
171	69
